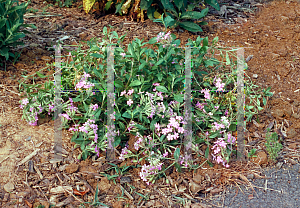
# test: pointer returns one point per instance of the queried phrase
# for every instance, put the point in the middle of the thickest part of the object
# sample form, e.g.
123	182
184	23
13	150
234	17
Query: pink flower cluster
171	129
83	83
149	171
219	149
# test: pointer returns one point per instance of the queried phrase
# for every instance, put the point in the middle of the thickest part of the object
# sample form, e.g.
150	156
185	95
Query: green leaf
135	83
190	26
205	41
207	152
161	89
213	3
126	115
152	125
168	6
178	98
97	55
159	76
169	21
162	137
139	126
177	153
107	5
264	101
227	59
194	14
232	127
152	40
145	4
4	52
178	4
40	75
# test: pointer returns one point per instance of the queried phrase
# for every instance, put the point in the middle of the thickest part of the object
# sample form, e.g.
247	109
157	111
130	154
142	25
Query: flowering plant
148	102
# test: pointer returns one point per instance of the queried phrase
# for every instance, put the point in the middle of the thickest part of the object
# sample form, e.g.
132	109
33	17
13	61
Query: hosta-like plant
11	24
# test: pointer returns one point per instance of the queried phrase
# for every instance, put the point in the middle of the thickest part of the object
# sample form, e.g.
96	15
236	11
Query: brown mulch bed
273	35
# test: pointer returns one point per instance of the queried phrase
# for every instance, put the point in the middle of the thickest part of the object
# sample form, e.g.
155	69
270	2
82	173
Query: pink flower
130	92
129	102
156	84
124	92
123	54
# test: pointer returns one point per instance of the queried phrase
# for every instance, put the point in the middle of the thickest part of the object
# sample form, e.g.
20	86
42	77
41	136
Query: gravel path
283	190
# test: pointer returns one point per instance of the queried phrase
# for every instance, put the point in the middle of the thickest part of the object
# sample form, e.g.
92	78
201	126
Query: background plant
177	13
12	25
273	145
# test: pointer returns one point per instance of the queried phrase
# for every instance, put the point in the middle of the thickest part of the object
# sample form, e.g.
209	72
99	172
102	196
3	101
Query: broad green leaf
213	3
178	98
135	83
162	137
194	14
161	89
177	153
190	26
169	21
139	126
126	115
145	4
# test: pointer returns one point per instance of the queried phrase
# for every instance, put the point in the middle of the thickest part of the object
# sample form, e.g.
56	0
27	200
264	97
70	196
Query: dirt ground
271	35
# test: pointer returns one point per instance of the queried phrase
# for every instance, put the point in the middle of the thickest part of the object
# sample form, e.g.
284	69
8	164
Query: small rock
126	179
104	184
279	164
198	178
278	113
255	76
152	197
293	162
118	204
30	166
293	145
195	187
6	197
250	176
291	133
150	203
295	115
9	187
82	35
288	111
72	168
262	158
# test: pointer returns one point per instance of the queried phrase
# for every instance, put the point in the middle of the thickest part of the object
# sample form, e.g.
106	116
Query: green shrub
11	23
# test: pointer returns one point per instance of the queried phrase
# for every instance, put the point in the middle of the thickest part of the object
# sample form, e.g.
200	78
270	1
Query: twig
43	15
4	159
268	189
126	193
28	157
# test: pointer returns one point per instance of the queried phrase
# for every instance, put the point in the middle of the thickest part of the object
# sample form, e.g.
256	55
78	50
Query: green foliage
11	24
179	13
273	146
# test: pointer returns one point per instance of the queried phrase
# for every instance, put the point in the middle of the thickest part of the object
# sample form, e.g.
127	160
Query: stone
104	184
198	178
291	133
195	187
72	168
295	115
9	187
118	204
262	158
277	113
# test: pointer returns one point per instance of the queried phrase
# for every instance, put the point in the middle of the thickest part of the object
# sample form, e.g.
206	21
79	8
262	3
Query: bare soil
271	35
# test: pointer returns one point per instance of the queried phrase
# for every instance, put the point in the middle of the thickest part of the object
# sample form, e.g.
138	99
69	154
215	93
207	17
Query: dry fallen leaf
80	193
28	203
